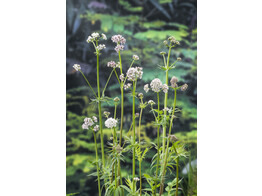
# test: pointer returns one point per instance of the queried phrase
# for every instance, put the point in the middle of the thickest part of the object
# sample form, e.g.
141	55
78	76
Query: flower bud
184	87
162	53
178	59
172	138
116	99
140	95
119	149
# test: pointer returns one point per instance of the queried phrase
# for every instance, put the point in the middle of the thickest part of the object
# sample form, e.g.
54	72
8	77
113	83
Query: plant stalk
166	95
97	167
134	128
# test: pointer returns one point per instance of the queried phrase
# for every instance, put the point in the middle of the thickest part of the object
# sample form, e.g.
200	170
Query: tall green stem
140	161
97	167
177	175
167	149
122	99
134	128
158	141
166	95
100	114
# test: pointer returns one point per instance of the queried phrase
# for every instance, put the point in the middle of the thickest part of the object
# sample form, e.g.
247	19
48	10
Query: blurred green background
144	24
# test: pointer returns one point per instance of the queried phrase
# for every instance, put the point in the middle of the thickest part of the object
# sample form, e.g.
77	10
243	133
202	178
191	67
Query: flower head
178	59
156	85
76	67
140	95
135	57
110	123
136	114
164	88
172	39
88	121
122	77
93	37
151	102
104	36
127	86
162	53
146	88
184	87
119	47
96	128
100	47
134	72
173	81
94	119
136	179
118	39
111	64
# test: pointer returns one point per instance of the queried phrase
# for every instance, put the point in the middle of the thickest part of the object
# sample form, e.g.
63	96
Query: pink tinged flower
111	64
134	72
184	87
146	88
156	85
119	47
164	88
76	67
173	81
118	39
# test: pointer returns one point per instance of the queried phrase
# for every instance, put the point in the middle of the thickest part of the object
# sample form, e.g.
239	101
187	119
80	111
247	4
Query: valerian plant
168	152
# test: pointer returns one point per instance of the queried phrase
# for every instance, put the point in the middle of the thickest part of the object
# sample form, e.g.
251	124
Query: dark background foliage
145	24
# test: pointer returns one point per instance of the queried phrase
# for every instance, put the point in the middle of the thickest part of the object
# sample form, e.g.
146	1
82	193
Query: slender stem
177	176
166	95
140	161
100	112
88	83
158	139
167	149
107	82
97	167
117	77
134	128
122	115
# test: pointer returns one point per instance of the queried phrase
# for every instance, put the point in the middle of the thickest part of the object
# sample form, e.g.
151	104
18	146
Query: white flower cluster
151	102
156	85
146	88
134	72
110	123
89	122
122	77
76	67
104	36
164	88
127	86
135	57
100	47
111	64
95	36
136	179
